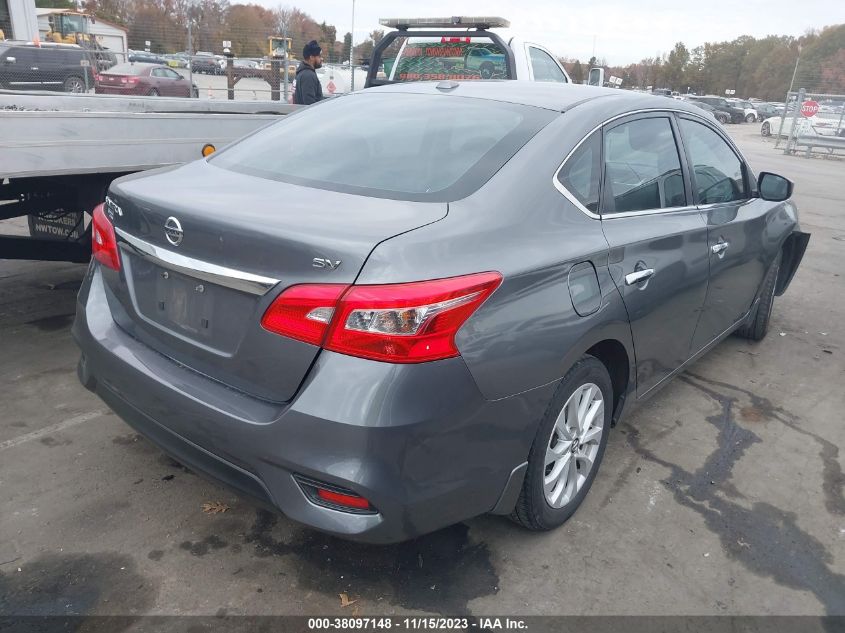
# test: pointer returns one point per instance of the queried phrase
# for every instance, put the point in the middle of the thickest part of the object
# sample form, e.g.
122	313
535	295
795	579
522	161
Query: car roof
559	97
45	45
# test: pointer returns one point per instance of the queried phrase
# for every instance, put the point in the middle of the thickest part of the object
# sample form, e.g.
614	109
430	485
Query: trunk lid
236	242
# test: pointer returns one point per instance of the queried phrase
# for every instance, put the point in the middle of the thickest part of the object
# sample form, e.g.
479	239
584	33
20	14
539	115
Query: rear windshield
402	146
450	57
125	69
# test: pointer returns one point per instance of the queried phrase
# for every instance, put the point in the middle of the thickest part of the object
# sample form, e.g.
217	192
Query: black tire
750	118
153	93
722	118
758	322
532	509
486	70
765	130
74	84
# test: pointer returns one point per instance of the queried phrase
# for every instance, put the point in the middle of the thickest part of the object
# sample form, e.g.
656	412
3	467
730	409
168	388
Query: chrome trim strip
595	216
221	275
630	214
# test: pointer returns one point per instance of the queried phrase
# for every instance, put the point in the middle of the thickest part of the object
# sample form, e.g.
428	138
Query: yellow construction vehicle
68	27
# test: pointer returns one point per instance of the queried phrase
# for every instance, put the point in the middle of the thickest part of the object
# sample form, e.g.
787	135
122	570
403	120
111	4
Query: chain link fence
813	124
191	60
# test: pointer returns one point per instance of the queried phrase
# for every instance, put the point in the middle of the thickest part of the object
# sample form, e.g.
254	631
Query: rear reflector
334	497
349	501
396	323
103	241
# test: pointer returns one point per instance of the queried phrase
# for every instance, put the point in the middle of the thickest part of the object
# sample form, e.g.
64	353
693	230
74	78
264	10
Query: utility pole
285	58
352	53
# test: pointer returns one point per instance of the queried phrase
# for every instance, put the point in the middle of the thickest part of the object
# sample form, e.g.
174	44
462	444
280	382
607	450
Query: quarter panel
527	333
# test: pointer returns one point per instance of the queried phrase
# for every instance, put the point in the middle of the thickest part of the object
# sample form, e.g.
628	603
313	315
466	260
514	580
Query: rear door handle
719	248
638	276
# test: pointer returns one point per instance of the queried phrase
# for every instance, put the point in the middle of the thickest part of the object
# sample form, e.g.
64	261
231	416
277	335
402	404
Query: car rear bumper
418	441
117	90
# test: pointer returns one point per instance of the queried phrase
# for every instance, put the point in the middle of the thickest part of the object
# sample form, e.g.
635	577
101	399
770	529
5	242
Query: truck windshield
463	57
403	146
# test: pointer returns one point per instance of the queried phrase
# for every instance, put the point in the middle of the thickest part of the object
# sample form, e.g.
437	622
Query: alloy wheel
573	445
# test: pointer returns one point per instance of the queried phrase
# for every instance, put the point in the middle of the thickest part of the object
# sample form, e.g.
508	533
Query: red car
143	79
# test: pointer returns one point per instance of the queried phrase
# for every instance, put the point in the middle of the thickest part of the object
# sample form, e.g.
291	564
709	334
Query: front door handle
720	247
638	276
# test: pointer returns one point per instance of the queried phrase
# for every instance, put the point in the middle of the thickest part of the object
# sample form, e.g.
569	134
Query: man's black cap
311	49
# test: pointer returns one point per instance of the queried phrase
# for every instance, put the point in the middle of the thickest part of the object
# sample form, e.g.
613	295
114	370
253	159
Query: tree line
752	67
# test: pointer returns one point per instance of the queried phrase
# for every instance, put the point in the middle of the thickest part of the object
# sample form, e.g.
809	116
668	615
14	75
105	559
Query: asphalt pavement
722	495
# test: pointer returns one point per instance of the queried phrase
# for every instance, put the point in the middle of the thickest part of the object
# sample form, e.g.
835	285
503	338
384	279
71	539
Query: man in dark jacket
308	88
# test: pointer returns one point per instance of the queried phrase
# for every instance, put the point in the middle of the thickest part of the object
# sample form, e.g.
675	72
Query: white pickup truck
459	49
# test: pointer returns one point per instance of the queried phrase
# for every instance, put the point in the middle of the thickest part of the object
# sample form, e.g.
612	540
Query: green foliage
55	4
577	72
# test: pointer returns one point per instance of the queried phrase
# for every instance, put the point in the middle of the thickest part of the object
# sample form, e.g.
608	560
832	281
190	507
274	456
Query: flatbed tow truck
59	153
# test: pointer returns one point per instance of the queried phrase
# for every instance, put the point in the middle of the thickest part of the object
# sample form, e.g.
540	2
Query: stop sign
809	108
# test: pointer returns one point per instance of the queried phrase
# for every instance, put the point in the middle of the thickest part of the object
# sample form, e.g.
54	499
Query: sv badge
321	262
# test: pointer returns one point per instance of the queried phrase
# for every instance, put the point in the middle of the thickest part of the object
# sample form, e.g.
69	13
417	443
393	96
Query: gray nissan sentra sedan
409	306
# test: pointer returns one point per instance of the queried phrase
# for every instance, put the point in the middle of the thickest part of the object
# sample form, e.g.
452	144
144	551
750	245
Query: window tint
717	169
405	146
545	68
581	174
642	167
170	74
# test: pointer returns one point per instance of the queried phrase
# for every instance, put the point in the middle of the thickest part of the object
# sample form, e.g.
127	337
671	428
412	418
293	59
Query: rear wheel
765	130
152	93
758	325
568	448
74	84
750	118
722	118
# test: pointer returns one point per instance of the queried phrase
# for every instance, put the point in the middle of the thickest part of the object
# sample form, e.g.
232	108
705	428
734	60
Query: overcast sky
624	31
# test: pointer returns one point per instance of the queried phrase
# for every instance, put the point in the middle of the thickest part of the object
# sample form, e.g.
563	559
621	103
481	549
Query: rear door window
460	58
581	173
544	67
717	170
643	166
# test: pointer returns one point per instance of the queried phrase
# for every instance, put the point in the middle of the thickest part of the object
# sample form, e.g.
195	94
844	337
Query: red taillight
103	241
349	501
303	312
396	323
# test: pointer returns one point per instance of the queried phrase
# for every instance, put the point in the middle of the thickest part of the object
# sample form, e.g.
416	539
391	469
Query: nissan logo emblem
173	231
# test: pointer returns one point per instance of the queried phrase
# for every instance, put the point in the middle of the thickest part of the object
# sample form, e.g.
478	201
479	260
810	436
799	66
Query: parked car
817	125
176	61
205	63
152	80
737	115
767	110
484	61
62	67
248	67
314	354
721	117
747	107
145	58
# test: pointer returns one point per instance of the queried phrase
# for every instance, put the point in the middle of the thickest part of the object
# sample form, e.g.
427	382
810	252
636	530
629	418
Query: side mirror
596	77
773	187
